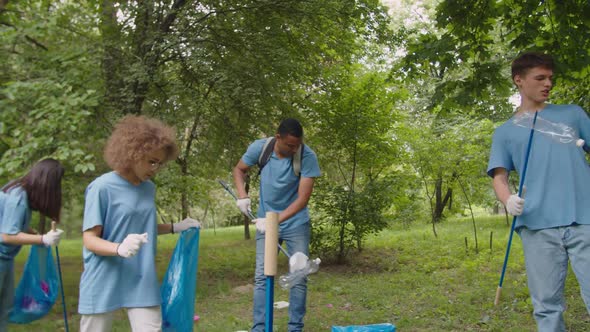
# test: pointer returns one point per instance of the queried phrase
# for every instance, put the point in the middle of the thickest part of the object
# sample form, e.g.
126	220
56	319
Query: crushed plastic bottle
559	132
292	278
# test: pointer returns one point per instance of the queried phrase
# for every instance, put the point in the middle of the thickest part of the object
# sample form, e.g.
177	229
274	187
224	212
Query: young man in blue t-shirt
287	193
554	218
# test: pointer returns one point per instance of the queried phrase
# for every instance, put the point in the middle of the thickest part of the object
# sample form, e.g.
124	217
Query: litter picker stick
231	192
271	240
520	193
61	283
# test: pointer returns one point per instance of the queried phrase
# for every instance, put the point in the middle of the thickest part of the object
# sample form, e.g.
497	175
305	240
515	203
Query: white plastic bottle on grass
289	280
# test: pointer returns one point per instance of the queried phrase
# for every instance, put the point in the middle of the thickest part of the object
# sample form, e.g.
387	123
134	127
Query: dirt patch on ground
367	261
245	289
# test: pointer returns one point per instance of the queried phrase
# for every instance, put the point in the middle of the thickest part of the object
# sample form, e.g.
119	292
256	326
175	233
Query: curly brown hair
134	137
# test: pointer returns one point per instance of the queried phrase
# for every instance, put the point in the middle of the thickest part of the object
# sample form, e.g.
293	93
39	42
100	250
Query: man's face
535	84
288	144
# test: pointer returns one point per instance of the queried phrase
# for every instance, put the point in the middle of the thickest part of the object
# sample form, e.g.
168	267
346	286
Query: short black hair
290	126
529	60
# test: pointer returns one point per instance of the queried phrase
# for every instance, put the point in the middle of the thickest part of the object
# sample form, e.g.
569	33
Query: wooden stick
498	292
271	241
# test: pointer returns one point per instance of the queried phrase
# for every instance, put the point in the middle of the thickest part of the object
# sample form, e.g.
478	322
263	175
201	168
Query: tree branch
36	43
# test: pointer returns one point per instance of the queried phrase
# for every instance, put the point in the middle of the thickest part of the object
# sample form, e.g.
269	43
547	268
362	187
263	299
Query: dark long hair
43	187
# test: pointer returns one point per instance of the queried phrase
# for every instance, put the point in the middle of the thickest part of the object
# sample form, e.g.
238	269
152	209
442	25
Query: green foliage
49	92
354	114
223	73
443	151
483	28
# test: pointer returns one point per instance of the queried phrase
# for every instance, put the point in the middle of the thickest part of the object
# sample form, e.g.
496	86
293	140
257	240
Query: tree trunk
112	61
440	201
3	4
184	195
472	215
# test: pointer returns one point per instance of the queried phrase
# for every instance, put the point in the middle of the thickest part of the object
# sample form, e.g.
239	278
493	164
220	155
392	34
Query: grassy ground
404	276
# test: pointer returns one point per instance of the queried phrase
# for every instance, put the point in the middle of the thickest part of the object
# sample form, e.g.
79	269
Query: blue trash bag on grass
365	328
37	290
180	282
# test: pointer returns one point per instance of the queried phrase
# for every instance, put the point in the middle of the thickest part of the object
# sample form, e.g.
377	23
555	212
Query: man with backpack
287	172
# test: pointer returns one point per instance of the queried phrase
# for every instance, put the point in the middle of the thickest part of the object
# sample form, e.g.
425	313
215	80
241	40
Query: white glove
185	224
260	225
244	206
514	205
131	244
297	261
52	237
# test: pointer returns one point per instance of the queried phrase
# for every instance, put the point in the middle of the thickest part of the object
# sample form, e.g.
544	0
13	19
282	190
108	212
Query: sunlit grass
404	276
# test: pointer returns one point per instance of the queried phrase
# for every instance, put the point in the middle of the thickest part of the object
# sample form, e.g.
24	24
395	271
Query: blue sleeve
499	154
15	214
94	212
310	168
584	123
253	152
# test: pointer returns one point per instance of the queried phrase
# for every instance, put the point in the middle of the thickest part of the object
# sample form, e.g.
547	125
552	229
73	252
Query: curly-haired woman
38	190
120	228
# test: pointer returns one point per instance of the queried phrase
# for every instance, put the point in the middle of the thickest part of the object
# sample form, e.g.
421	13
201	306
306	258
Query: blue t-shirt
279	184
558	177
15	216
112	282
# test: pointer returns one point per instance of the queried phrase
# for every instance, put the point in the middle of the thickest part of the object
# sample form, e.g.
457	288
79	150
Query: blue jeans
6	292
546	254
297	240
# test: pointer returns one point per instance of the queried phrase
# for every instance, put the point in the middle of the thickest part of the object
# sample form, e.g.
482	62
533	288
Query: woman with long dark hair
39	190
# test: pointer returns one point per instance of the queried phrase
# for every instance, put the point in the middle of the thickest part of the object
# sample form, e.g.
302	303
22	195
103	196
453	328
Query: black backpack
267	150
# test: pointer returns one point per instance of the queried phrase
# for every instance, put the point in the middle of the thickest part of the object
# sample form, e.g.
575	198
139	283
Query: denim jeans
547	253
297	240
6	292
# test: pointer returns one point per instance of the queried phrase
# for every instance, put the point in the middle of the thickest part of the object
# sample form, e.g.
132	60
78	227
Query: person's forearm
292	209
501	188
164	229
22	239
100	246
239	181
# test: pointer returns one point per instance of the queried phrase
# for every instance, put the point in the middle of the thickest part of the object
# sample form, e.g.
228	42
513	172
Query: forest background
398	99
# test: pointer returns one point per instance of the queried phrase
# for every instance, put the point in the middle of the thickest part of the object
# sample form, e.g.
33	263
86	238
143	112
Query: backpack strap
267	150
266	153
297	160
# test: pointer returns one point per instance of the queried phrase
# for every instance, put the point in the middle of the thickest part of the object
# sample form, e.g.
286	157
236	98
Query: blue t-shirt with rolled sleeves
558	177
15	216
278	183
112	282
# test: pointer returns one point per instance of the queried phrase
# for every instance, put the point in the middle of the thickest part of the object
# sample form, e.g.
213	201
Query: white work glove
52	237
131	244
514	205
185	224
244	206
260	225
297	261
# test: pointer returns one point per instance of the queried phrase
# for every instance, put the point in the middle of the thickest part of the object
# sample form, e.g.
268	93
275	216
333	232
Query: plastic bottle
290	279
559	132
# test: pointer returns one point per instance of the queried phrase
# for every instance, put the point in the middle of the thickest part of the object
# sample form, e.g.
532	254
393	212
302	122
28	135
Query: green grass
403	276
